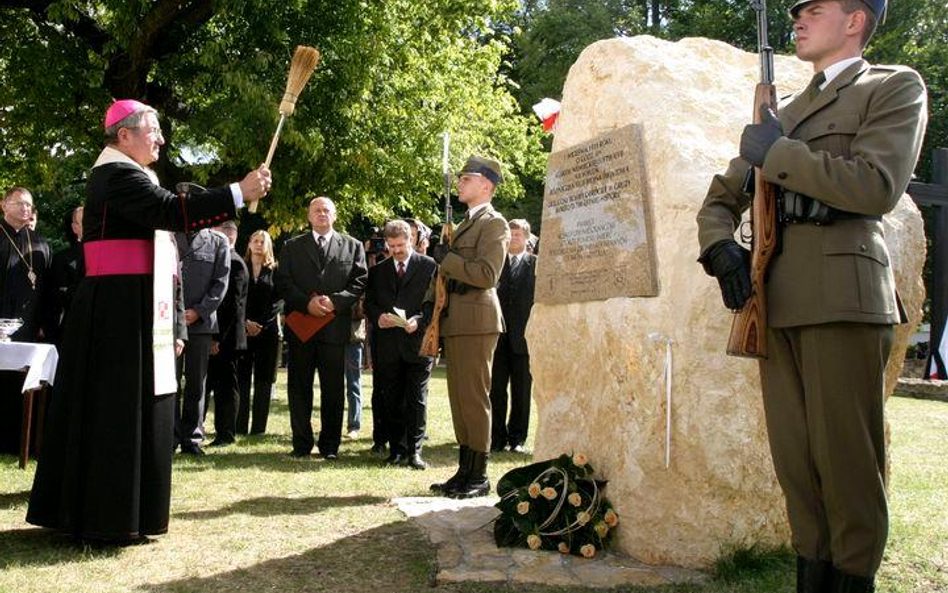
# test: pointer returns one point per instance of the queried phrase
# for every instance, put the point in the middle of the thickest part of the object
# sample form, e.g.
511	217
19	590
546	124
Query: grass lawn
249	518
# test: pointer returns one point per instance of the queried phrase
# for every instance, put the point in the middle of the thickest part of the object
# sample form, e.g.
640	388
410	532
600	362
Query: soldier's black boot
813	576
477	483
848	583
459	477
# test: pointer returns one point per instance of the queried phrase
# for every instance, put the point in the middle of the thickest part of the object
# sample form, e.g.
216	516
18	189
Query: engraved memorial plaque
597	222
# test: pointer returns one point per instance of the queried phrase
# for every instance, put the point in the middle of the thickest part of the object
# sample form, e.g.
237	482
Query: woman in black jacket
263	336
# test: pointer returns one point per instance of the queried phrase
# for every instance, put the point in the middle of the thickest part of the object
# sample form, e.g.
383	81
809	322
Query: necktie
321	243
813	89
401	269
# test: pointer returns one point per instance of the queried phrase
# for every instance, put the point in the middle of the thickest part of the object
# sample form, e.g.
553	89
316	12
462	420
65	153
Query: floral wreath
554	505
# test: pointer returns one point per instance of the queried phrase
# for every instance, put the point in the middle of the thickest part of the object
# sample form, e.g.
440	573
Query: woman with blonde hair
263	336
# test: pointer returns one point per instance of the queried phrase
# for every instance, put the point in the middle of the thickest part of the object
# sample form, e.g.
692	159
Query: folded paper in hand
397	318
305	326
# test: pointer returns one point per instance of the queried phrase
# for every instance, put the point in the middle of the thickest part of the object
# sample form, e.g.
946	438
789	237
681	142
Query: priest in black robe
105	471
24	261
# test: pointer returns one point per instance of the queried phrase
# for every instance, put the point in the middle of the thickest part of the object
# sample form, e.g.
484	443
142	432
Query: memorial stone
601	367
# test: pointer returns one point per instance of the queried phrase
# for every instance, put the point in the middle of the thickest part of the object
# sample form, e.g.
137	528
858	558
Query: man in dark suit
842	153
321	273
398	284
205	269
231	338
472	321
511	358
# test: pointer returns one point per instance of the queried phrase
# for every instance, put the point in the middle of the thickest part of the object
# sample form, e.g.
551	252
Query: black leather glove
440	251
756	139
730	264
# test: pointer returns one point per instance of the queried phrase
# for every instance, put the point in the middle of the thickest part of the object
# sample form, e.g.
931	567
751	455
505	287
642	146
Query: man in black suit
320	273
511	358
393	301
231	338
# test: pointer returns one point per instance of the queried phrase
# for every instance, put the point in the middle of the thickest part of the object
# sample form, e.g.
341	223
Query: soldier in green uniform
473	321
841	153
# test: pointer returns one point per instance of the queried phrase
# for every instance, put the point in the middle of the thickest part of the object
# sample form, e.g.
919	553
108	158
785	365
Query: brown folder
306	326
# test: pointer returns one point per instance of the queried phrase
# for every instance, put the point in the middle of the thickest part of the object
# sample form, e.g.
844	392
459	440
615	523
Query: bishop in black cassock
105	471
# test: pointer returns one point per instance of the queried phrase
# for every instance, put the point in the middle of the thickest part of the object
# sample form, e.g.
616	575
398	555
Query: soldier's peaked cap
489	168
876	6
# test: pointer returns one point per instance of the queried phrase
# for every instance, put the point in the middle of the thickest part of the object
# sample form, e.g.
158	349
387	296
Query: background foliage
395	74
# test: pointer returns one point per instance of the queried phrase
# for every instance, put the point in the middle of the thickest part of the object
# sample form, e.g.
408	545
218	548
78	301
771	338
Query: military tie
813	89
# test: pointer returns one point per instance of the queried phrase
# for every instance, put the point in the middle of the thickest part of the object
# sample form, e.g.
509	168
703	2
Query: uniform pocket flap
871	246
840	124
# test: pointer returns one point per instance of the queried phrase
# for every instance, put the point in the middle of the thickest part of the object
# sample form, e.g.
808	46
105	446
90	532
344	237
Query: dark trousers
329	361
190	401
509	367
257	366
405	402
380	429
824	389
222	384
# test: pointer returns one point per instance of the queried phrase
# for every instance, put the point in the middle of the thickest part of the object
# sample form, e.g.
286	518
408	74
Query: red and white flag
547	110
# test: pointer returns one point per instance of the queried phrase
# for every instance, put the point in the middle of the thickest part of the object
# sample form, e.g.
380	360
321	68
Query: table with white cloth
38	361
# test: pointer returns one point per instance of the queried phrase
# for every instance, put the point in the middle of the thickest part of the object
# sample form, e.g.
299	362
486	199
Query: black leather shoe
298	454
220	443
378	449
395	459
195	450
329	456
416	462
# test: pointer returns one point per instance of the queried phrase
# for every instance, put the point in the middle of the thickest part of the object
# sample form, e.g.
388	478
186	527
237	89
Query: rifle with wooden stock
749	328
430	341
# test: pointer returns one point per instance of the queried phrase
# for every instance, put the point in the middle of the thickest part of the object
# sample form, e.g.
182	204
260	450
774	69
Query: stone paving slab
922	389
462	531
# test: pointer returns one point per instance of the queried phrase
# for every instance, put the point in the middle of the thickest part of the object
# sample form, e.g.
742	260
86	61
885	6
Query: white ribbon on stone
667	375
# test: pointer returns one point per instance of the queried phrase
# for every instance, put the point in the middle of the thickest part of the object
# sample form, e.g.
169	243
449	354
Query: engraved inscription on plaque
597	222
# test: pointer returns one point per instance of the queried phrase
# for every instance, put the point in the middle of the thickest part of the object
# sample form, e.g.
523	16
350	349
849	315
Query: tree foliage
394	75
550	35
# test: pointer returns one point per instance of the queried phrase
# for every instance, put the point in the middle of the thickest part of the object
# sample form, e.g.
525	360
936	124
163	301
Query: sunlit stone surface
598	375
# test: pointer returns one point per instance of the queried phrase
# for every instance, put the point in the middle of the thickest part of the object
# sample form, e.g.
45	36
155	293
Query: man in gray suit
321	273
205	268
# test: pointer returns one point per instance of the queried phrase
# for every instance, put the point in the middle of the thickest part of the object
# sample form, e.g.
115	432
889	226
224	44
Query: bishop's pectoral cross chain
30	274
